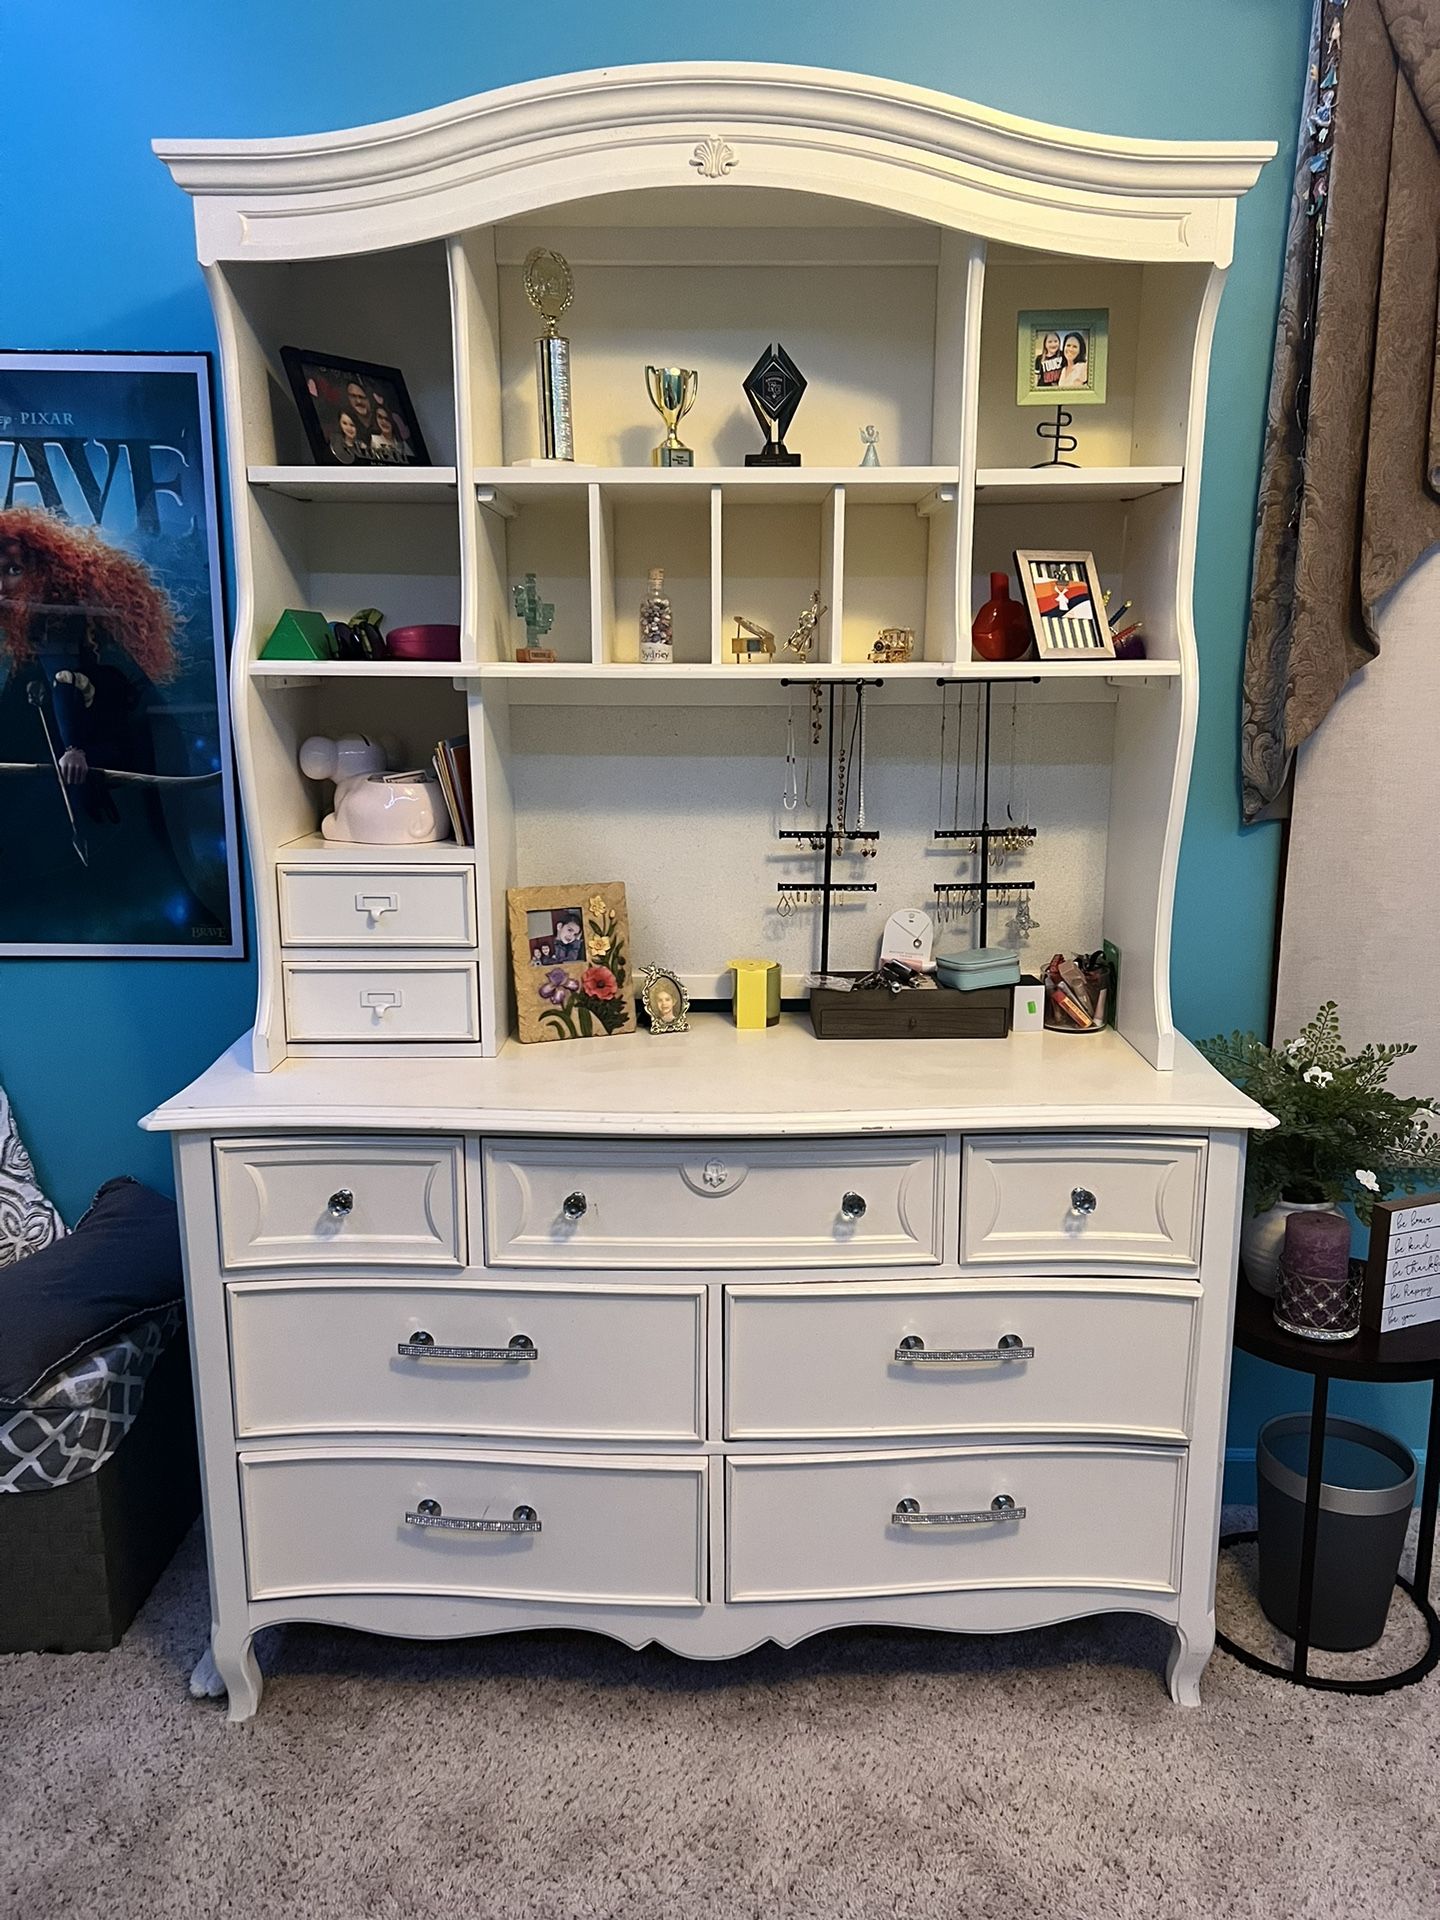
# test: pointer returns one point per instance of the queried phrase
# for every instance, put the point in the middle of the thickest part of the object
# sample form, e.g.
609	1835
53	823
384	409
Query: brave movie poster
117	806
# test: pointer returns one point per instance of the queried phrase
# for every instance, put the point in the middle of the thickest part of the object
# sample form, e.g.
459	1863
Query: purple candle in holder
1318	1299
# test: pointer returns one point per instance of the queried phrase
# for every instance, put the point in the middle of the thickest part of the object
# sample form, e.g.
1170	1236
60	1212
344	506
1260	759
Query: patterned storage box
80	1551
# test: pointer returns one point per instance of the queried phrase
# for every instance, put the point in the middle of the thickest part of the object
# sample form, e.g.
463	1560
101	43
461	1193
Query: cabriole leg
229	1666
1189	1653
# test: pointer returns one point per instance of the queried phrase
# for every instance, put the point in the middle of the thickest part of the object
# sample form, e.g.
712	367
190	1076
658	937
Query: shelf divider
832	576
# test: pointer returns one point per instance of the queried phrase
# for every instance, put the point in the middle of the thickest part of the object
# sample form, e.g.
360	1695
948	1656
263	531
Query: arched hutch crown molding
910	149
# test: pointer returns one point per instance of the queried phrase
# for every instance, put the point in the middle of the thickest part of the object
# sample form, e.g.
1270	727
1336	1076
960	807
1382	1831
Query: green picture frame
1051	378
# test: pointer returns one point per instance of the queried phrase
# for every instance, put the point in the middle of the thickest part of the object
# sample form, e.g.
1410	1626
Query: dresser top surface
717	1080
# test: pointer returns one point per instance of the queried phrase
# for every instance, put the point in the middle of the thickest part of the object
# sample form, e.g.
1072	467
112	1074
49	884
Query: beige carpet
559	1777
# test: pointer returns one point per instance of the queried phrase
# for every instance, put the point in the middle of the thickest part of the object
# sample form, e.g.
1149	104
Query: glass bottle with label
657	626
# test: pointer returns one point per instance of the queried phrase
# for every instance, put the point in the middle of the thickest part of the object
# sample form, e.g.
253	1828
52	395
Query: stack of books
452	770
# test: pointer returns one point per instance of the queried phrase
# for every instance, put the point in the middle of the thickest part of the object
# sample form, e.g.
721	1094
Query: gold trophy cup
672	394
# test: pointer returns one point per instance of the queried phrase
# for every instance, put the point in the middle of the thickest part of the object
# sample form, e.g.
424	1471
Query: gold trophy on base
672	394
550	288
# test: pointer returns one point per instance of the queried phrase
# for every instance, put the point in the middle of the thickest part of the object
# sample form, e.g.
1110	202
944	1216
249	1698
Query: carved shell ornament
713	158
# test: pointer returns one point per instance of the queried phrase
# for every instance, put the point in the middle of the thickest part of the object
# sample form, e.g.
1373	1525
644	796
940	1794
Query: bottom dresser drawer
382	1000
834	1527
502	1525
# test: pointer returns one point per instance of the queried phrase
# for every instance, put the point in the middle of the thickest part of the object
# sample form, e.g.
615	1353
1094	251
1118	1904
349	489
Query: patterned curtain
1350	484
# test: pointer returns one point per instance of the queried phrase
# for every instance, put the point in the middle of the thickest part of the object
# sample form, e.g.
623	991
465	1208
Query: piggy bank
388	810
350	757
372	807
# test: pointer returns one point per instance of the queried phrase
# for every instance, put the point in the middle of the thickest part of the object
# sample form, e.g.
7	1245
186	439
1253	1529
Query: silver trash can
1365	1499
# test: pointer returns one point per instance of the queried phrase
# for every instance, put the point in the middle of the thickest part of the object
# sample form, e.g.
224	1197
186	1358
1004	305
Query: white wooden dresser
719	1337
947	1349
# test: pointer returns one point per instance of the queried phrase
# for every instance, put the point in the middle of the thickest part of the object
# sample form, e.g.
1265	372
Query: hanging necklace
944	746
975	790
1026	761
842	769
959	749
859	755
814	735
790	793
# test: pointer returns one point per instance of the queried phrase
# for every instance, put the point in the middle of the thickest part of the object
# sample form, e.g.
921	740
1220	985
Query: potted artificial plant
1340	1133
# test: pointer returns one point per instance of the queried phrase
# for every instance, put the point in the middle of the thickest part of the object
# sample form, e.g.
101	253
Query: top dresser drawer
727	1203
331	1200
347	905
1122	1202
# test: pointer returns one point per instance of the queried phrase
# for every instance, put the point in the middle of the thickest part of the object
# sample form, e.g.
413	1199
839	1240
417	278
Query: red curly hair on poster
47	565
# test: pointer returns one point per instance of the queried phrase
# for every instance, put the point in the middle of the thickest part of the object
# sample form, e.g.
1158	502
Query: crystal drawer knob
574	1205
852	1206
340	1203
1082	1201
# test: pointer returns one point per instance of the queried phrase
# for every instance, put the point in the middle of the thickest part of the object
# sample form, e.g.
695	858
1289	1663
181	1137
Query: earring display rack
983	836
832	834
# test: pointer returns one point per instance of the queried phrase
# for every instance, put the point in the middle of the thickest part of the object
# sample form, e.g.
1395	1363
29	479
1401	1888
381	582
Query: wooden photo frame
355	413
1062	357
570	959
1066	604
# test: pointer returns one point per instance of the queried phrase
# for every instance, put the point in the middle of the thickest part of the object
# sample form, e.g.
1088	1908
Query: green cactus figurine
538	615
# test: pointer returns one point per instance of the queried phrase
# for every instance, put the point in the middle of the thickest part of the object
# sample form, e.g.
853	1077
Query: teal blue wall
98	253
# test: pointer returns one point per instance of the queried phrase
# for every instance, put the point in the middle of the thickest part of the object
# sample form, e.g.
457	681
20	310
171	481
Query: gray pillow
27	1219
121	1265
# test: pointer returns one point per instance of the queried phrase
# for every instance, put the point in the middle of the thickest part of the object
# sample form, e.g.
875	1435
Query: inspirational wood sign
1402	1274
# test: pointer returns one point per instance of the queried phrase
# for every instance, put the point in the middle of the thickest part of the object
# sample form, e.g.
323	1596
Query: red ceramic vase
1002	626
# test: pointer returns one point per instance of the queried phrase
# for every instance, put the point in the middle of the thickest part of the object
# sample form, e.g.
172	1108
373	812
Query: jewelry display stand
836	835
982	836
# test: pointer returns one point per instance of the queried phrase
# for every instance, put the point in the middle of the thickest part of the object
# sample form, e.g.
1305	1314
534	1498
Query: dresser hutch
718	1337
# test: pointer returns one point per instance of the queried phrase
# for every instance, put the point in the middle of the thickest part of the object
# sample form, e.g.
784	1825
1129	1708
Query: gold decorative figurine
803	638
893	644
751	641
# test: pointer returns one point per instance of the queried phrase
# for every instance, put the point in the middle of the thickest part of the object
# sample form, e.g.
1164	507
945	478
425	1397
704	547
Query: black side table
1413	1354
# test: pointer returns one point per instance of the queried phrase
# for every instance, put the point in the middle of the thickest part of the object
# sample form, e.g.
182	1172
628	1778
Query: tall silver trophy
550	287
672	394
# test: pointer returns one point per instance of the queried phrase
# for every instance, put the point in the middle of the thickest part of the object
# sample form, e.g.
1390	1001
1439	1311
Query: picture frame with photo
355	413
1066	604
570	960
665	1001
1062	356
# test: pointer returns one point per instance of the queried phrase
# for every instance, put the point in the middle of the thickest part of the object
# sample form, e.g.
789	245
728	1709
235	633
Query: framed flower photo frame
570	957
1066	604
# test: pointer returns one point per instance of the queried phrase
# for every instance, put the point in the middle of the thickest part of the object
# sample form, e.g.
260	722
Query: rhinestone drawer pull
422	1346
1002	1507
1082	1200
852	1206
340	1203
574	1205
430	1514
1010	1346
